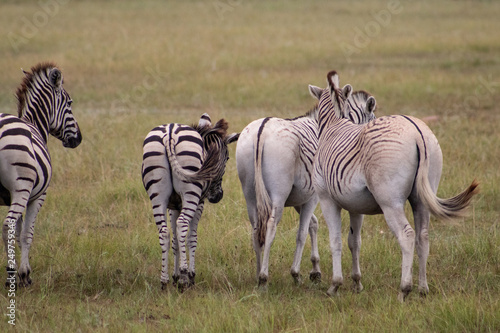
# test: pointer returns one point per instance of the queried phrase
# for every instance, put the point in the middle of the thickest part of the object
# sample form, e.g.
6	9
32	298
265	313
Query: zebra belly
358	202
299	197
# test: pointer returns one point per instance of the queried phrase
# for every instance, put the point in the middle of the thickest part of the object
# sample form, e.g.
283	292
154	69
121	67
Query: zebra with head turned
274	159
183	165
374	168
44	107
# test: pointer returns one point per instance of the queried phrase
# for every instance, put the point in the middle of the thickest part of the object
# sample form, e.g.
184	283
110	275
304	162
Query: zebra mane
213	142
219	129
28	81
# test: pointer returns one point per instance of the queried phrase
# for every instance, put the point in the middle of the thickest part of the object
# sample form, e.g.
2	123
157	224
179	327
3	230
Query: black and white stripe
44	107
275	157
183	165
375	168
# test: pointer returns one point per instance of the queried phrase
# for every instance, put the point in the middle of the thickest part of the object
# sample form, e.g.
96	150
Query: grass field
130	66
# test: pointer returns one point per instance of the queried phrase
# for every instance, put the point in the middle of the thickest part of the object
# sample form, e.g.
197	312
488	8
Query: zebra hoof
175	279
296	278
357	287
183	282
191	276
24	280
164	285
333	290
315	277
263	282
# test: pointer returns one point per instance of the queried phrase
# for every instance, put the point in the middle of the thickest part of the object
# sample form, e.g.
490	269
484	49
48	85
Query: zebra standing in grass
44	108
183	165
274	158
373	169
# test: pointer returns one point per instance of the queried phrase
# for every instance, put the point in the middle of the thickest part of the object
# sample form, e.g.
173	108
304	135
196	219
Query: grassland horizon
130	66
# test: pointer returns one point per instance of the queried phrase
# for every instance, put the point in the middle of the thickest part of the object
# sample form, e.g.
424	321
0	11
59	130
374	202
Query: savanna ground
131	65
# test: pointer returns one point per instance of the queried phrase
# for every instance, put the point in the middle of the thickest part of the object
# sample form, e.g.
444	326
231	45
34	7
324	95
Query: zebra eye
70	102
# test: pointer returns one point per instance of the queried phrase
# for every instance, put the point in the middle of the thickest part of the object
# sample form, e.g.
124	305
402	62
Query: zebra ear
55	78
315	91
205	120
371	104
347	91
232	138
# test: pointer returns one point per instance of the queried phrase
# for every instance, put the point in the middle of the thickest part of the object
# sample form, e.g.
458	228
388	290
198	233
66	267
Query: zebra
374	168
274	159
183	165
44	107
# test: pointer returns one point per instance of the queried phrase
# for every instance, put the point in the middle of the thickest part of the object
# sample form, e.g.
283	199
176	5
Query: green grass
130	66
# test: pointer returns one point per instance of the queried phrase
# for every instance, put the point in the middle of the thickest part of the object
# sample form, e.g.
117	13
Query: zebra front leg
315	274
331	212
306	212
26	238
354	243
193	242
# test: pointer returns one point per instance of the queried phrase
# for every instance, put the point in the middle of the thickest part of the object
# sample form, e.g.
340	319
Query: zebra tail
445	209
264	205
205	173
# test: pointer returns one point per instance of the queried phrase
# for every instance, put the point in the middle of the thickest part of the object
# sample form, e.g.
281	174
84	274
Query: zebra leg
9	240
182	230
193	242
258	250
26	238
174	215
315	274
354	242
402	230
11	230
305	211
159	211
421	217
272	223
331	212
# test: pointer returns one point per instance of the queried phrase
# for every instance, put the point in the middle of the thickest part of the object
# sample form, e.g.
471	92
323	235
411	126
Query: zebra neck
34	115
327	120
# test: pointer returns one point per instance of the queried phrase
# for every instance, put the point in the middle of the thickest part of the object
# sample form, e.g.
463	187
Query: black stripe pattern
44	107
182	166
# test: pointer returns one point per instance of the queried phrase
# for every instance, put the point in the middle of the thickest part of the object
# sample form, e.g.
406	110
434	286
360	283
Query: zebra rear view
183	165
274	158
374	169
44	107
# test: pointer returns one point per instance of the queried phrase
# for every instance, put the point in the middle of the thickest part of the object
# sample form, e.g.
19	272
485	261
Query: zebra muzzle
73	142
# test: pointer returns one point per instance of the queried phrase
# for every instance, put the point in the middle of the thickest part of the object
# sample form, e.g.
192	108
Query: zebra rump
212	160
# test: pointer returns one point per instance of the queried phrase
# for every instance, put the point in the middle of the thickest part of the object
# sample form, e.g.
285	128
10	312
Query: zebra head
332	97
43	102
360	107
215	141
63	124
